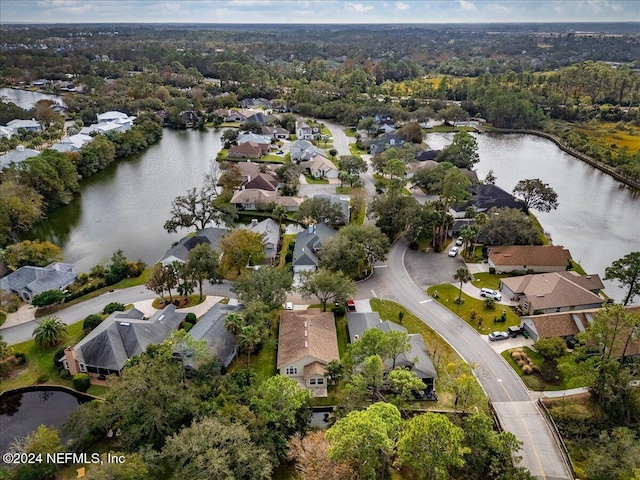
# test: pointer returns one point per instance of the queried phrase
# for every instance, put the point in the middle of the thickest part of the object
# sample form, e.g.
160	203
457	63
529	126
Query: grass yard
193	300
316	181
284	249
272	159
536	223
343	334
609	134
39	368
535	381
488	280
354	150
343	190
440	351
447	294
3	317
350	132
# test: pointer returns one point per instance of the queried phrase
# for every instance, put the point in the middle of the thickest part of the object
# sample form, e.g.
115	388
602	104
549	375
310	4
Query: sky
317	11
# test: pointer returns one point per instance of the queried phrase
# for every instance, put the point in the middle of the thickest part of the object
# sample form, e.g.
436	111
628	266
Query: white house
28	125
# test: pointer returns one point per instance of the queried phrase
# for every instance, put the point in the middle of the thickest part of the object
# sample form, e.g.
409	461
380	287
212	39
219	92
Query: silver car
495	336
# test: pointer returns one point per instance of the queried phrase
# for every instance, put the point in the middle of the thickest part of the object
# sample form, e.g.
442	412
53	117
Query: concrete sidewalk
25	314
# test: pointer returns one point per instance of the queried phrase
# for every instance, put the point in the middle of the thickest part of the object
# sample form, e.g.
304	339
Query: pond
27	99
24	411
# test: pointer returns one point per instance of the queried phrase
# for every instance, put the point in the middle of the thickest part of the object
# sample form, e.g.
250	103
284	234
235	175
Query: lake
27	99
595	215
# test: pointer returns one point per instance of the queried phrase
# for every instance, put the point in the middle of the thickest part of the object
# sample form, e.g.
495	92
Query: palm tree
234	323
249	339
279	213
464	276
49	332
481	220
468	235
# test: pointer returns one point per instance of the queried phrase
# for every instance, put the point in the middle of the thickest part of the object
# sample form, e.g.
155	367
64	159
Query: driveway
431	268
515	409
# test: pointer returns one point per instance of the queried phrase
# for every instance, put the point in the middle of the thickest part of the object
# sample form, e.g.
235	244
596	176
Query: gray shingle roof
211	328
417	357
35	280
309	243
123	335
210	235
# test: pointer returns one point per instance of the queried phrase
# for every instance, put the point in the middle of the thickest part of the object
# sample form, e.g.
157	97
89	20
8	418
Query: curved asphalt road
515	409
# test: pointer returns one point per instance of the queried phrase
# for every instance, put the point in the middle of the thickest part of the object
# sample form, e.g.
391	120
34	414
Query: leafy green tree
34	253
366	384
49	332
48	297
353	165
365	440
412	132
95	156
132	468
214	448
392	214
463	275
239	248
627	271
234	323
283	405
429	179
203	264
326	286
199	208
52	175
340	254
510	226
81	382
311	456
279	214
90	322
268	285
387	345
404	383
431	445
462	152
40	442
550	348
536	194
157	282
320	210
20	207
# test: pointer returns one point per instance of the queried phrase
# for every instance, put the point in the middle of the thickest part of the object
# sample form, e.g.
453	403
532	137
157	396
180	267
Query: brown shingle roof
551	290
305	334
248	149
590	282
530	255
263	181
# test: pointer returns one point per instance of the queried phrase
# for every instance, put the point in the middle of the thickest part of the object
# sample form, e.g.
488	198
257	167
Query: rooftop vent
124	324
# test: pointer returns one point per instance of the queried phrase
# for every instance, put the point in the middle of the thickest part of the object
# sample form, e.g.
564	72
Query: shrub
338	310
527	369
489	304
42	378
187	326
59	353
550	348
113	307
81	382
91	322
191	318
473	314
47	298
288	257
21	358
414	246
6	367
492	270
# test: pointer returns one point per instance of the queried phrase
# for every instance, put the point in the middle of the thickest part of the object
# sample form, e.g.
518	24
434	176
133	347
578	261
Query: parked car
351	305
515	331
280	152
288	306
487	292
459	241
495	336
454	251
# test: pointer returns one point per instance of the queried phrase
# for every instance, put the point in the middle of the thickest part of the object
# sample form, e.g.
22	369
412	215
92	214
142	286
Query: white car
487	292
288	306
454	251
459	241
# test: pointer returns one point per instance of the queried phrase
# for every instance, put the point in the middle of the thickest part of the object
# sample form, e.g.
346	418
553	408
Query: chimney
254	222
72	362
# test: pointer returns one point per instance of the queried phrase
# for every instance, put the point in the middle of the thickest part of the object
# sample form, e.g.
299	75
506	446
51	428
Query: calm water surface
125	206
25	99
597	218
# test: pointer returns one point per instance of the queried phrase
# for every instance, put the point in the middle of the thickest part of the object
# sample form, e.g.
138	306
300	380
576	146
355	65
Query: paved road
515	409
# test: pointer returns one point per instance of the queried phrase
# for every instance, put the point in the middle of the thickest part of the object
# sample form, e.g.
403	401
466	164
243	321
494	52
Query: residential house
231	116
320	166
269	230
308	247
384	142
255	103
27	125
190	118
278	133
111	121
424	155
180	251
567	325
5	132
72	143
121	336
211	328
304	131
19	155
485	197
417	358
307	342
252	170
262	181
29	281
263	141
553	292
113	116
302	150
253	199
529	258
259	118
246	150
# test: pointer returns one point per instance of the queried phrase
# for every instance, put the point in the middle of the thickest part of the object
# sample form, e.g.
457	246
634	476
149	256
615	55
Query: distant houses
17	156
529	258
308	247
180	251
111	121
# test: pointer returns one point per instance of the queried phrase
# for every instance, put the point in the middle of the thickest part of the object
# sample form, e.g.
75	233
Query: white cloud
465	5
359	7
401	7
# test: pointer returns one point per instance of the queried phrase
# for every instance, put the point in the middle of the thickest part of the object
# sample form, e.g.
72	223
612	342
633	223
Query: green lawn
353	148
440	351
40	364
350	132
263	363
286	240
312	180
536	223
577	267
3	317
343	334
535	381
488	280
273	158
447	294
343	190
